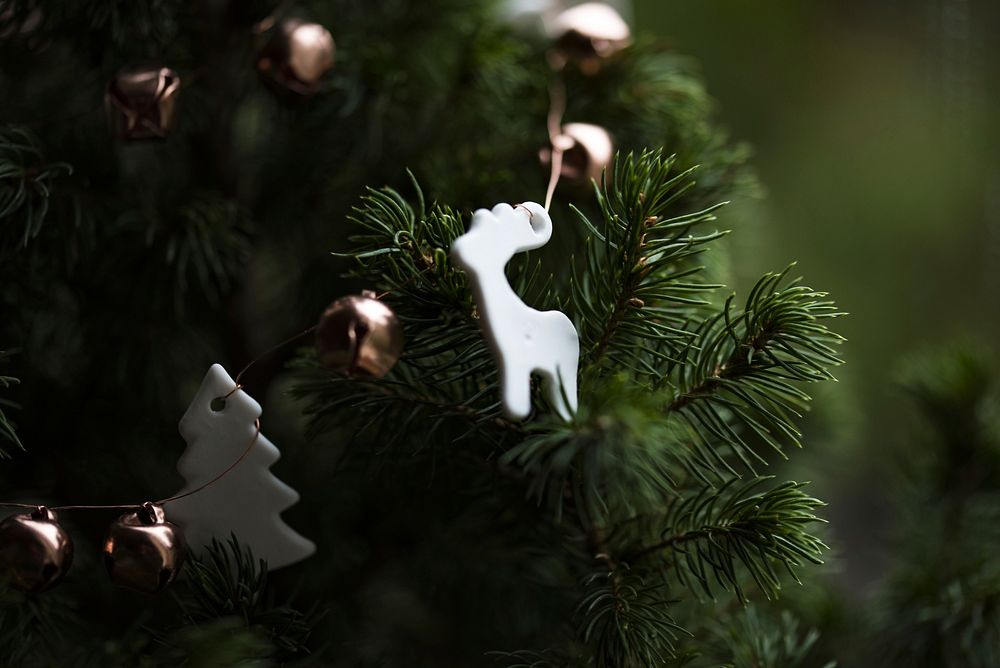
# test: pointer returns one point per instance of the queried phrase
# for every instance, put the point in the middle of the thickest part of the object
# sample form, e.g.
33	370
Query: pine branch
638	289
205	244
228	582
384	410
216	643
126	25
619	456
26	182
746	365
625	621
751	638
30	626
958	396
662	101
7	431
924	621
446	368
548	659
710	533
939	605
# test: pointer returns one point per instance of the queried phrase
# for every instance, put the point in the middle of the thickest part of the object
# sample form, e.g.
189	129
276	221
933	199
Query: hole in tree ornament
248	499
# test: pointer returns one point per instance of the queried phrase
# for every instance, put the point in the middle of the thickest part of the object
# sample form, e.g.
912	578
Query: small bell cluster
586	37
292	58
142	550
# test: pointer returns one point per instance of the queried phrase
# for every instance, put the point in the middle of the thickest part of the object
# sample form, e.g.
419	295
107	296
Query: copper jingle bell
141	103
143	551
35	551
588	151
297	56
588	34
359	335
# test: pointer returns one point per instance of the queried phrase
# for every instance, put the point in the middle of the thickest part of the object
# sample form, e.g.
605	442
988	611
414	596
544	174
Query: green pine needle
708	535
7	431
26	182
228	582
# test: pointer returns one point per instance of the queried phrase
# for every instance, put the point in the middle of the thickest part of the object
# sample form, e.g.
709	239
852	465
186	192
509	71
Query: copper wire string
129	506
264	354
557	107
217	478
256	435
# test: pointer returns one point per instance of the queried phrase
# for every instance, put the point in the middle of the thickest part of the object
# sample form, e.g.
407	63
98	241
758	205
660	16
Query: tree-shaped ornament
249	499
524	341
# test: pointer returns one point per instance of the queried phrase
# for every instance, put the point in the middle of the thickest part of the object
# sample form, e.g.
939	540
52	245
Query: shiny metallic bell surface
35	551
587	151
143	551
297	56
359	335
141	103
588	34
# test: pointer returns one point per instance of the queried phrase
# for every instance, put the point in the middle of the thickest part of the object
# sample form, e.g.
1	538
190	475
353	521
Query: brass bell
587	151
143	551
588	35
141	103
359	335
297	56
35	552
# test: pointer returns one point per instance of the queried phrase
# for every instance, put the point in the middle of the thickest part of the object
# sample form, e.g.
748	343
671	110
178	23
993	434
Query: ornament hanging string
135	506
557	107
217	478
131	506
264	354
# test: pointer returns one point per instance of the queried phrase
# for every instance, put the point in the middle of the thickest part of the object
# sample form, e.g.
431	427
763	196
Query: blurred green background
874	125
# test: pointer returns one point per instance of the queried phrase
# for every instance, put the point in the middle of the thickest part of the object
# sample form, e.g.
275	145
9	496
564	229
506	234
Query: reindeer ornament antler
524	341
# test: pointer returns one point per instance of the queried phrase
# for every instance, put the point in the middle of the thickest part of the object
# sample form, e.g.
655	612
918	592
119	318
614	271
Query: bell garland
142	550
357	335
293	56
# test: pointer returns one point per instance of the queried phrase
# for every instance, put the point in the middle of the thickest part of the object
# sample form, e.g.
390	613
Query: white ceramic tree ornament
524	341
249	499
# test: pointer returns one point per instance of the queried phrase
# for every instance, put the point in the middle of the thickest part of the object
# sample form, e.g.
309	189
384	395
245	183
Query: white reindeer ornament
524	341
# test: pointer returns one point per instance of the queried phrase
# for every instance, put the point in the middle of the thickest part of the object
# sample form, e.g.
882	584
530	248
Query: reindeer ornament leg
559	377
524	340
